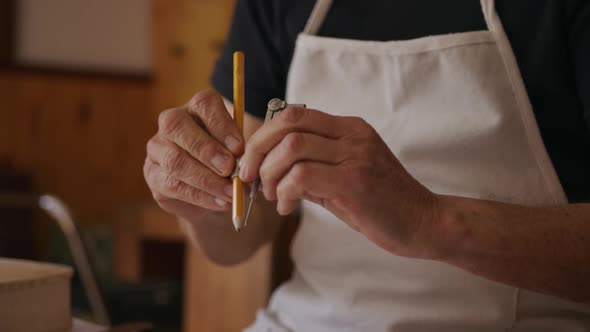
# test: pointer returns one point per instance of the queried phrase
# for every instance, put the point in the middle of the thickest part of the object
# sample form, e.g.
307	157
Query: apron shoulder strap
489	13
317	17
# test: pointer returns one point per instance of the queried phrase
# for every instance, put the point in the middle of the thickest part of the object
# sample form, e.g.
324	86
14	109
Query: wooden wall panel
188	36
224	299
82	138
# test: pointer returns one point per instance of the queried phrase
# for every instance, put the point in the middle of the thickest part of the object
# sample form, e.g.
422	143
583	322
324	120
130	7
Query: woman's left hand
342	164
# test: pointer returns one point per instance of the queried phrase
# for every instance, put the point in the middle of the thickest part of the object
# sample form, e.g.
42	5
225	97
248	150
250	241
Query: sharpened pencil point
237	223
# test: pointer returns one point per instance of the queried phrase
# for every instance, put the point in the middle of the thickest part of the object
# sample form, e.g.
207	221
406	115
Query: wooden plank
224	299
127	253
188	36
84	139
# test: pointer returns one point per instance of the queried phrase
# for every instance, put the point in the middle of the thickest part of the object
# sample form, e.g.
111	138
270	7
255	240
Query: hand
191	156
342	164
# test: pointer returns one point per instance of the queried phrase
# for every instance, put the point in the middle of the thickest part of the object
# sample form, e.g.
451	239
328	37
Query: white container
34	297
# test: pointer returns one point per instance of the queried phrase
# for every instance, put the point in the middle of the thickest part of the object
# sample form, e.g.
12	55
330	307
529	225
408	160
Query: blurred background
81	86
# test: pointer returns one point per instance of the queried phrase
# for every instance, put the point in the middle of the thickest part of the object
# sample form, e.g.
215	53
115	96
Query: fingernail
229	190
221	162
220	202
232	143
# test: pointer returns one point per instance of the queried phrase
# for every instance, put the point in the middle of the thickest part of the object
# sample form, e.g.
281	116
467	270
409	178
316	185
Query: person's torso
457	133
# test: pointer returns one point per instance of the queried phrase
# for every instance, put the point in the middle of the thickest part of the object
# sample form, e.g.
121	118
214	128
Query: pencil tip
237	224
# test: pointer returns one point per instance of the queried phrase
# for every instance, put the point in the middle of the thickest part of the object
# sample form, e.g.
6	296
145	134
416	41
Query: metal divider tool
274	106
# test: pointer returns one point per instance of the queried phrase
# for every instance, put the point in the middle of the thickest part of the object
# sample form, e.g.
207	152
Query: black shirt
551	40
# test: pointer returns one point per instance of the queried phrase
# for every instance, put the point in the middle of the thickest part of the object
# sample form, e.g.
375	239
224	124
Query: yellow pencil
238	186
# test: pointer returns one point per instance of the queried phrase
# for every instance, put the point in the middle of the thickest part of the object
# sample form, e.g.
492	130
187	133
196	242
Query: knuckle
203	100
294	142
206	150
169	120
151	179
195	146
172	184
150	174
299	172
293	114
216	122
283	189
255	146
195	195
267	177
222	125
264	172
147	170
202	180
292	183
155	179
173	160
150	145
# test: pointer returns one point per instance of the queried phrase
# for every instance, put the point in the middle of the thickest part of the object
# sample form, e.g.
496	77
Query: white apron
455	111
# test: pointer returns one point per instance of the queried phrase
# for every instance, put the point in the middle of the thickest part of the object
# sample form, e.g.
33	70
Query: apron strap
522	98
489	12
317	17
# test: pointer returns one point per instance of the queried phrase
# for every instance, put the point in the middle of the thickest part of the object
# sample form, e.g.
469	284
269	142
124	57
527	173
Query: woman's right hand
190	158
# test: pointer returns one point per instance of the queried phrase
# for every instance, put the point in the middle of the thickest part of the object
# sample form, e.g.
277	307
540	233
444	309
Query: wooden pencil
238	186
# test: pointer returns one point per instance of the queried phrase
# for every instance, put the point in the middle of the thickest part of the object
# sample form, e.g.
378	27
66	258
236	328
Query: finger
177	126
293	148
315	181
170	187
209	108
180	165
288	121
